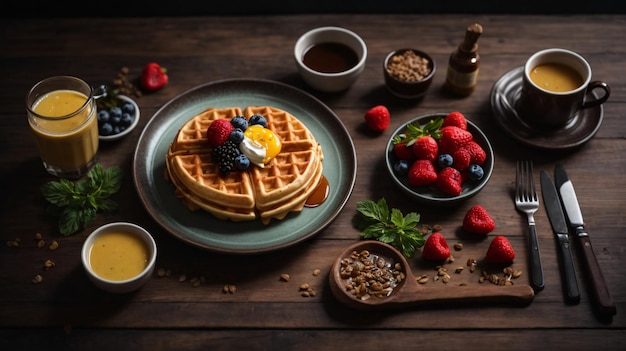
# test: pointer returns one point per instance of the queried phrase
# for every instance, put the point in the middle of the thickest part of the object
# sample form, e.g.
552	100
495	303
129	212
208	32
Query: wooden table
66	311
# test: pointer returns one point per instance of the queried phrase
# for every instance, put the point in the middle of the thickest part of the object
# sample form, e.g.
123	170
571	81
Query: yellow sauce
118	256
66	143
267	138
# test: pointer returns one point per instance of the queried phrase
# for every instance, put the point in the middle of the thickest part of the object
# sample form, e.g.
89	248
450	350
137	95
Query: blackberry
225	155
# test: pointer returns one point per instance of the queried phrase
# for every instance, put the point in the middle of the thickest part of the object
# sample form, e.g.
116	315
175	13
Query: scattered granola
229	289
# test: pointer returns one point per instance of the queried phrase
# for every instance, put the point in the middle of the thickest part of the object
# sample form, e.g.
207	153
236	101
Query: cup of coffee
556	86
62	115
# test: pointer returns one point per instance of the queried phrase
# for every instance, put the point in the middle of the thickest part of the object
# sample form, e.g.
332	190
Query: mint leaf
372	210
415	131
77	203
391	227
58	193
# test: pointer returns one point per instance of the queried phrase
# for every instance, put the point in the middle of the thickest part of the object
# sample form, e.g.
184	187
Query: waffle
267	193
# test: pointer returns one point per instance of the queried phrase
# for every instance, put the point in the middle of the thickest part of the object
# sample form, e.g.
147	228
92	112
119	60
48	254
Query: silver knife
552	204
565	188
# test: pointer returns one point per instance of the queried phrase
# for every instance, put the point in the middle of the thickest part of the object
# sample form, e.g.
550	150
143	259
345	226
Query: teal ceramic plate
200	228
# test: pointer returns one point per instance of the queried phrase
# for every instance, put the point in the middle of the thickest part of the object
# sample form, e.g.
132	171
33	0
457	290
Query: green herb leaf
415	131
77	203
58	193
391	227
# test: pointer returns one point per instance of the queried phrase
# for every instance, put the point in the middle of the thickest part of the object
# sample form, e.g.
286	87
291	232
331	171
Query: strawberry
455	119
219	131
436	247
452	138
449	181
477	153
422	172
462	159
500	251
478	221
403	152
377	118
153	77
426	148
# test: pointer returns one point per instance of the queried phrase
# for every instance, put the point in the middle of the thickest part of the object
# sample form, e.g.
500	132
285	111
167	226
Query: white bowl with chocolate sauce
330	59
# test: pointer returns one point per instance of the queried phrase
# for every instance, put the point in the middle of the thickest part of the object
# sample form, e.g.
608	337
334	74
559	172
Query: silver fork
526	201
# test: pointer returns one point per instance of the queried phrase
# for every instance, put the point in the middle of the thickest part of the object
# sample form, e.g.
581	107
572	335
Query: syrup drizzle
320	194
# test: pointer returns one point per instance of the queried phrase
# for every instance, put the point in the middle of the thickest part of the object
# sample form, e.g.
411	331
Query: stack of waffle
280	187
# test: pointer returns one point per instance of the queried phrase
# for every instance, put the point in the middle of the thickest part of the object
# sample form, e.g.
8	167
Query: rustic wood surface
66	311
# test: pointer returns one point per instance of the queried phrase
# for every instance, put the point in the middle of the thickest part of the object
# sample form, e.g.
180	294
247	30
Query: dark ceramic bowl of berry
117	117
408	73
451	175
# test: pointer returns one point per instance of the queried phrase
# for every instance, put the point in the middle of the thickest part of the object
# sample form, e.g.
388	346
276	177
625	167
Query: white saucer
504	96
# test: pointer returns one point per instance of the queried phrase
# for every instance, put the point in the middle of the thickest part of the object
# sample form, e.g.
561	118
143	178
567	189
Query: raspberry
218	132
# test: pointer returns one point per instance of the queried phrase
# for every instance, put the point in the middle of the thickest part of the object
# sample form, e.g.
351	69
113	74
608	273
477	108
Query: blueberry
475	172
103	116
258	119
106	129
116	120
128	107
116	111
444	160
127	119
236	135
116	130
242	162
401	167
239	122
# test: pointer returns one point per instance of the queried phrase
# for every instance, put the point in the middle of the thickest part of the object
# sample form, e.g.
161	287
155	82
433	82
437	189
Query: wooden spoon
410	293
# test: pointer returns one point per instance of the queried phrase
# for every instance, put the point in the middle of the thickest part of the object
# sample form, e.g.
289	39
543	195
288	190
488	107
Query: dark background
130	8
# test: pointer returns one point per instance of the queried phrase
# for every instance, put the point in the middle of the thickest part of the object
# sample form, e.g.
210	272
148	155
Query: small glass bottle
464	63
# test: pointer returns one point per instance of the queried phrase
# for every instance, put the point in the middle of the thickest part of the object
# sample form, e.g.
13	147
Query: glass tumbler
62	114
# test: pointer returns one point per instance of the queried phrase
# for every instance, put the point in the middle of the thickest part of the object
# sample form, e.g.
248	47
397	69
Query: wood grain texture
65	310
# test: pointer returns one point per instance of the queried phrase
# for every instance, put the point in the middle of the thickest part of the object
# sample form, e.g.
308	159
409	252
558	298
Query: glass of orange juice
63	116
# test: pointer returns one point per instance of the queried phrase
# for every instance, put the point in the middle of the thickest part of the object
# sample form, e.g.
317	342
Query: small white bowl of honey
119	257
330	59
